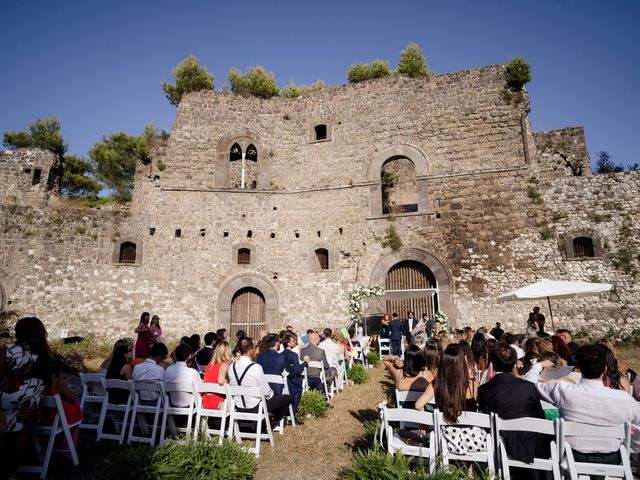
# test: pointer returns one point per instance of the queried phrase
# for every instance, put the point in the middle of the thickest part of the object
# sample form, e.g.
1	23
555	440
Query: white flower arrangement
357	294
441	317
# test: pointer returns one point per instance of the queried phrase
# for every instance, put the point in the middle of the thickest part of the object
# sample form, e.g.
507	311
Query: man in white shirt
150	371
246	373
513	341
179	372
589	402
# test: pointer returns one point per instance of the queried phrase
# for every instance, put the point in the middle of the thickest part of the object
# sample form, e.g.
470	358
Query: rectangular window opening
178	233
152	231
37	173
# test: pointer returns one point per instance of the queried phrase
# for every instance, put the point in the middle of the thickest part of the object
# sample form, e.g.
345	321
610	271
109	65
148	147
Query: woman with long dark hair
612	376
455	391
144	340
26	366
120	369
409	373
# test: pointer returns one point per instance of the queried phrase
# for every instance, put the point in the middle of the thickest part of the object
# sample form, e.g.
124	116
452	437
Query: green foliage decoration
312	402
189	76
131	462
188	459
412	63
254	82
518	73
373	358
293	91
359	72
358	374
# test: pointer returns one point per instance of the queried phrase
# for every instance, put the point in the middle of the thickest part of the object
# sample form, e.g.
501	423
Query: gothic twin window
244	166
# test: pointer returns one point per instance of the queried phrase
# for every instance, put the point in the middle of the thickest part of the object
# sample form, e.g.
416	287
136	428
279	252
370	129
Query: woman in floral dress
25	367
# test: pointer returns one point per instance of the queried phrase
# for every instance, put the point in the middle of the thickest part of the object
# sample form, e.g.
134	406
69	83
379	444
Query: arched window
127	252
244	256
244	166
398	185
235	153
322	259
583	247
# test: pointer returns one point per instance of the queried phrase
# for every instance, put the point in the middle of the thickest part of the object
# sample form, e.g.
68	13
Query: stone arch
244	138
244	280
437	267
419	160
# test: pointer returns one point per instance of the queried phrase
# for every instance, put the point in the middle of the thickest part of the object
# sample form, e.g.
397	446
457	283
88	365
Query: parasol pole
553	325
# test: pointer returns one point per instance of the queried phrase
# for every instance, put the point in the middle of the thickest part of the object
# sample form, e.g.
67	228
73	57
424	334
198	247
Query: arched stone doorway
414	275
411	286
248	312
247	302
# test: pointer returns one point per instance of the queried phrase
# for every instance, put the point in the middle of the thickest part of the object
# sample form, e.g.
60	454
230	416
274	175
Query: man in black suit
204	356
271	361
511	397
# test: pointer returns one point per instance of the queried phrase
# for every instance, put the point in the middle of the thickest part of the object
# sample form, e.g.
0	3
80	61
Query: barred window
127	252
322	259
244	256
583	247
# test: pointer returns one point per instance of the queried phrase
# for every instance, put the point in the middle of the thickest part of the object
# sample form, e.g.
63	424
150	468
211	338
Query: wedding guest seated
179	372
565	335
431	354
409	373
150	370
455	390
511	397
240	334
590	402
119	369
316	354
272	362
245	372
419	339
204	356
613	378
216	372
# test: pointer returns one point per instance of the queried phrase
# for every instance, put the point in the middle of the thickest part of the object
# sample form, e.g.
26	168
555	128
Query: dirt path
322	447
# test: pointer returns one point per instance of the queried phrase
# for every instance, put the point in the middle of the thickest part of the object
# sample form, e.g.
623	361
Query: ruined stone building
264	213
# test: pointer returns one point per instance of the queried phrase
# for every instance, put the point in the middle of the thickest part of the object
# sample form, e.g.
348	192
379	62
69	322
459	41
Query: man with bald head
315	354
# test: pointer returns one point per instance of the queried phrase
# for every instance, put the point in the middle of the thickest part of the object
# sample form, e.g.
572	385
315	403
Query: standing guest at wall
246	373
497	332
512	397
179	372
295	369
26	365
150	370
156	330
272	362
533	329
539	319
204	356
384	326
411	321
217	372
143	343
396	331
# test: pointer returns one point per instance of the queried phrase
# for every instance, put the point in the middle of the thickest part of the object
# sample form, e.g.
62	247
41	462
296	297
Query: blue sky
97	66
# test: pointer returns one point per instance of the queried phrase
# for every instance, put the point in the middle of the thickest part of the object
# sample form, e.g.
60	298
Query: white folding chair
280	380
578	470
413	417
468	419
406	399
203	414
305	380
358	354
92	394
58	426
260	417
170	411
533	425
384	347
319	365
143	407
113	408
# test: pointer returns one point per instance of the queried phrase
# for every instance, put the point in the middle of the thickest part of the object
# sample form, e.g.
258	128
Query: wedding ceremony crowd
536	373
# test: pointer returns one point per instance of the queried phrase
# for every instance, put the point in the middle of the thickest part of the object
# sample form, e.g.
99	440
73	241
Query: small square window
321	132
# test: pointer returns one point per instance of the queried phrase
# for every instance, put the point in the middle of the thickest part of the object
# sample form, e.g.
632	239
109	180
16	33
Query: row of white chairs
136	412
560	462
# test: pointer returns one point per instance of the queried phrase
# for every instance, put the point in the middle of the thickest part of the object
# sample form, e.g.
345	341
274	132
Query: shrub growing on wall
292	90
255	81
189	76
359	72
412	62
518	73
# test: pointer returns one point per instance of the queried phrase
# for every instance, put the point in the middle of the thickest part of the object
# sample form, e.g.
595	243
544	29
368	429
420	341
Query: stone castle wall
475	164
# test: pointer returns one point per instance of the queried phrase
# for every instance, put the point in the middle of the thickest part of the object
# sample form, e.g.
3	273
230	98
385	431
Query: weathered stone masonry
475	170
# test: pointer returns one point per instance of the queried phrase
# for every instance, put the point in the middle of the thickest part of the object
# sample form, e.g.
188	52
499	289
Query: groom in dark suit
511	397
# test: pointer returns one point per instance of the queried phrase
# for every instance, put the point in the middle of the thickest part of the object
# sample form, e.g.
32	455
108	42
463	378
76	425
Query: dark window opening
235	153
438	215
275	208
152	231
27	170
225	234
244	256
249	234
583	247
127	253
297	234
203	232
178	233
273	235
37	173
319	233
252	153
340	230
322	259
321	132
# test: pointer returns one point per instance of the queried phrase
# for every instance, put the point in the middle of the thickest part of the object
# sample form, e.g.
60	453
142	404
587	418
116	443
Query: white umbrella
555	289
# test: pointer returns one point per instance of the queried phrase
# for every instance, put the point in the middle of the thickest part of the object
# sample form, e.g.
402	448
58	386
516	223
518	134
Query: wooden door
248	311
411	286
